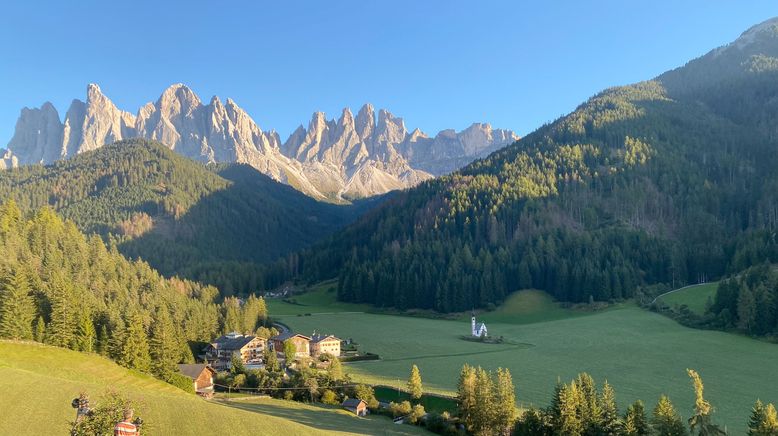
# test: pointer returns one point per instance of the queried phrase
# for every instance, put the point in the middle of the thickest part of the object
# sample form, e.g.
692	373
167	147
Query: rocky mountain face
351	157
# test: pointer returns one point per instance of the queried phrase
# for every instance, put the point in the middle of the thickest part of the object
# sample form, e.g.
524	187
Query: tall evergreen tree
635	422
466	398
134	352
763	420
17	309
504	402
103	340
39	329
665	421
61	330
484	410
414	384
85	333
163	345
611	422
569	419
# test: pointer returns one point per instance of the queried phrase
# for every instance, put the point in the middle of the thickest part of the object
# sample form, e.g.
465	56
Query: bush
329	397
182	382
401	409
103	417
416	414
288	395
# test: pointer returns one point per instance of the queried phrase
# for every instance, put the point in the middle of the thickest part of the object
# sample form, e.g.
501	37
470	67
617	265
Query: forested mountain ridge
212	223
664	181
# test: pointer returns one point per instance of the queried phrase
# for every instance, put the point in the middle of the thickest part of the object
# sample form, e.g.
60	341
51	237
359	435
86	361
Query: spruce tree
61	330
611	422
39	329
484	410
569	419
763	420
85	333
466	395
103	341
163	345
414	384
17	308
134	351
505	402
635	422
665	421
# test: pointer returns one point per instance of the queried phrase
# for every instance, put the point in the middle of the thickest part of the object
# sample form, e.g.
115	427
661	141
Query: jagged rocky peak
348	157
7	160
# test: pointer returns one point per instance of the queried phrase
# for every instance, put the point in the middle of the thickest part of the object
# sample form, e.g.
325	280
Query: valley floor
642	354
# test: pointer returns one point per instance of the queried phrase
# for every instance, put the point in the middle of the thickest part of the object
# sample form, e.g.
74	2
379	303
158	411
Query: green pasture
642	354
695	297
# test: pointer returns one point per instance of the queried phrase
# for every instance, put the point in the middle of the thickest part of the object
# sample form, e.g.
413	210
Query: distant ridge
336	160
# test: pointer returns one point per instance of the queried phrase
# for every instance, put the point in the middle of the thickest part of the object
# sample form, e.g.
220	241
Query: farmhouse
322	344
355	406
250	348
301	343
202	377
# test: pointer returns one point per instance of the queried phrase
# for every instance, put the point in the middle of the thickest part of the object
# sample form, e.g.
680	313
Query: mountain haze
353	157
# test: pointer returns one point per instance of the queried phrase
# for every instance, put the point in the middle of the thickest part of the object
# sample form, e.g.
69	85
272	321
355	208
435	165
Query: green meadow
642	354
694	297
39	381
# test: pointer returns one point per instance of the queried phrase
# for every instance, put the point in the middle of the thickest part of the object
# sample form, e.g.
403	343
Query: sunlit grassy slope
37	383
695	297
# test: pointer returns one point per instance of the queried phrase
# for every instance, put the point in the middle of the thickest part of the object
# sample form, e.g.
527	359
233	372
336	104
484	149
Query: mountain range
336	160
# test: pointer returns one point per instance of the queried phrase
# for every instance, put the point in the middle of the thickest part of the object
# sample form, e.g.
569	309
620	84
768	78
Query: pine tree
85	333
611	422
505	402
103	341
635	422
414	384
701	422
134	352
466	395
17	308
569	420
232	316
483	416
746	309
62	326
591	410
39	329
163	345
665	421
763	421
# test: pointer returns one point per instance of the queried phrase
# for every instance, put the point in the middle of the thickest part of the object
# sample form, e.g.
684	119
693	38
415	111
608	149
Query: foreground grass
642	354
695	297
331	419
39	381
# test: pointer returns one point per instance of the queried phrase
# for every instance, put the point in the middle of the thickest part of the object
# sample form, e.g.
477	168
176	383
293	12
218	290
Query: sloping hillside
179	215
657	182
38	382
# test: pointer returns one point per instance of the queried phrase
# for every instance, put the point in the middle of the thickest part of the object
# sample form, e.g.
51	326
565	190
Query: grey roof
352	403
318	338
192	370
286	335
232	341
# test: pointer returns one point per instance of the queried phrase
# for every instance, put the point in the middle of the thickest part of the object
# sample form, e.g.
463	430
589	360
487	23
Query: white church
478	330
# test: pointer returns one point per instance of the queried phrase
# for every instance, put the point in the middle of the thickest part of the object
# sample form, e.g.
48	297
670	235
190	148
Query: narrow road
675	290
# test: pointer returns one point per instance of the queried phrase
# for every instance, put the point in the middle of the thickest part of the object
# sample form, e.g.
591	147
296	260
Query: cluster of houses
251	348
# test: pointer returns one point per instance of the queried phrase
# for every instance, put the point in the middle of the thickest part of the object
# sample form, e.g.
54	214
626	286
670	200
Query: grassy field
38	383
320	298
431	403
695	297
642	354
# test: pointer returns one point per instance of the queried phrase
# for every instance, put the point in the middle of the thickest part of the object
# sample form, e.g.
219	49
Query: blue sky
438	64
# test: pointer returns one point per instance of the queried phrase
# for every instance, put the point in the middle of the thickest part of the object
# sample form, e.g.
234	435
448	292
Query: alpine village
169	267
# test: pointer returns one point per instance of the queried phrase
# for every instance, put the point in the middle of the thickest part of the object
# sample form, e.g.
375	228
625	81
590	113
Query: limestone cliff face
347	158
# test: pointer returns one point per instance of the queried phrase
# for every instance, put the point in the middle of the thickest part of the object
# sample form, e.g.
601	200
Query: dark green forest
667	181
62	288
215	224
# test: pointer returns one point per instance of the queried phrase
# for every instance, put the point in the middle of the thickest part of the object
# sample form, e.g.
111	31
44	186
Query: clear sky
438	64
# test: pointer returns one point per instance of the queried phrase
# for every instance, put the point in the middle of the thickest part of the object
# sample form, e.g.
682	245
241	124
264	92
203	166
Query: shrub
400	409
329	397
416	414
104	416
182	382
288	395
